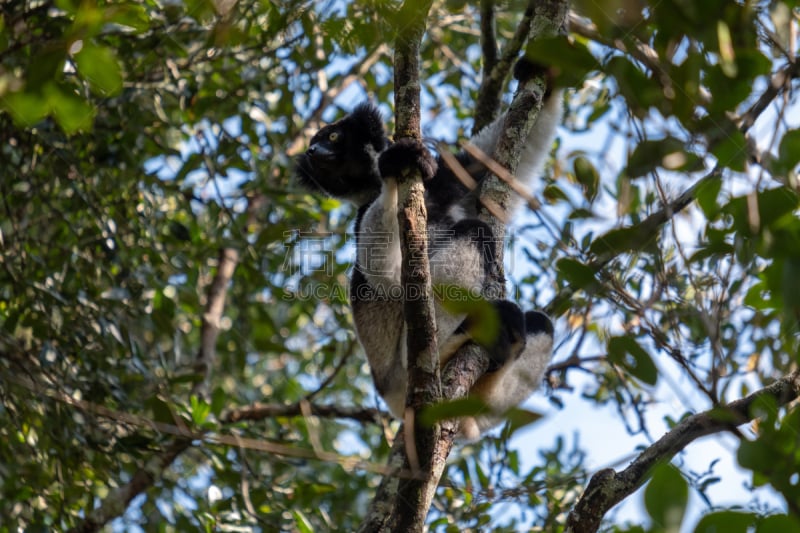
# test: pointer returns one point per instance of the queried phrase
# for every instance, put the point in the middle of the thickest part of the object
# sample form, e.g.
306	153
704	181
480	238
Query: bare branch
607	487
779	82
547	19
425	452
217	291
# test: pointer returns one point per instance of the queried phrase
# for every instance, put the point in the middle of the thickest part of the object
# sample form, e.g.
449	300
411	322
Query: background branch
117	501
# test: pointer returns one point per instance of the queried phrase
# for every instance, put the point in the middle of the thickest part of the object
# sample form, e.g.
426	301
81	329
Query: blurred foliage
138	135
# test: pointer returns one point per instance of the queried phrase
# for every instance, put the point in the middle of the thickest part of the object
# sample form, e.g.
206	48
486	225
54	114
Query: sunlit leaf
725	522
99	66
470	406
666	496
71	111
626	352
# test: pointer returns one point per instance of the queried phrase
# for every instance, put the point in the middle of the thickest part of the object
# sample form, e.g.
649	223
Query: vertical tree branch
410	27
401	504
425	452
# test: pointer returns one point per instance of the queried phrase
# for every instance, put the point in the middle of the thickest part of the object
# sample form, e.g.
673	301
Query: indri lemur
353	159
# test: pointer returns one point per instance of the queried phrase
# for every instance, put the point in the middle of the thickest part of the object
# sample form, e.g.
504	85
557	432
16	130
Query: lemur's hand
404	155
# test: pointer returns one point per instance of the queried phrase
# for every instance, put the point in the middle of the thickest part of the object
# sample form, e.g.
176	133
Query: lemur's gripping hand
510	339
404	155
525	69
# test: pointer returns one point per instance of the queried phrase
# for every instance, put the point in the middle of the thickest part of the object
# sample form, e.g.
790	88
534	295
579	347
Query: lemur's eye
333	136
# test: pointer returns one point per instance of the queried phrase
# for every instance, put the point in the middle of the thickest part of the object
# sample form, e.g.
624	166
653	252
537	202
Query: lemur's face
341	161
327	148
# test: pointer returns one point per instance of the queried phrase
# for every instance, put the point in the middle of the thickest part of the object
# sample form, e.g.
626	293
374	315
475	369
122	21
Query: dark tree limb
425	452
260	411
458	377
496	69
778	83
607	487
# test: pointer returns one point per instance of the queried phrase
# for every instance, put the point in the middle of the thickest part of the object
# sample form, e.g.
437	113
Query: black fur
405	154
341	158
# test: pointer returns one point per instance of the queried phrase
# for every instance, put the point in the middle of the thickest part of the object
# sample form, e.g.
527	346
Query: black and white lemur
352	159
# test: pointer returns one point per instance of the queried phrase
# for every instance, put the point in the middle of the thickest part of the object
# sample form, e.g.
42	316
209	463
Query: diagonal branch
607	487
496	69
546	19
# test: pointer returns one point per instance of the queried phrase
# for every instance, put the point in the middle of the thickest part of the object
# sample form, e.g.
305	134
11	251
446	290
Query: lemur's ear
368	122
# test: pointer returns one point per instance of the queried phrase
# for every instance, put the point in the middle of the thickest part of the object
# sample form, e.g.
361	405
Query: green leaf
161	410
622	240
665	497
577	274
725	522
219	400
754	455
130	15
26	108
587	176
669	153
100	67
72	113
731	150
553	193
788	153
627	353
199	410
519	418
483	323
458	408
571	60
778	523
729	91
639	90
772	205
302	522
714	249
790	283
706	196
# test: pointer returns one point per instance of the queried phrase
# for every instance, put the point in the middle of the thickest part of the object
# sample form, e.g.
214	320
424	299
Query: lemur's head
342	158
